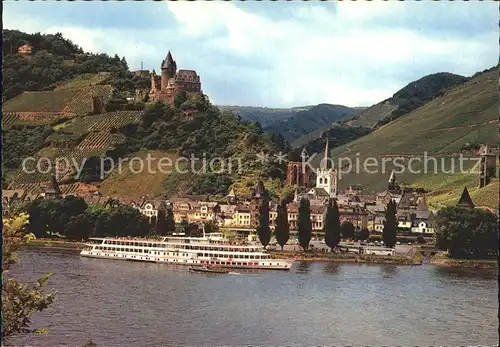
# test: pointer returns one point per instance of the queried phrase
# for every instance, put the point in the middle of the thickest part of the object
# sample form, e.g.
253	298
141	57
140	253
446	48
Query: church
326	177
172	81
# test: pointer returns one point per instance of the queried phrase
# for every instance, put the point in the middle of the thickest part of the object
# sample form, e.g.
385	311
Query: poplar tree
282	230
332	224
390	225
304	223
263	227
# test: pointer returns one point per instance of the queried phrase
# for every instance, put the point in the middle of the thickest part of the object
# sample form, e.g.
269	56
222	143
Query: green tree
467	232
347	229
19	301
211	227
80	227
332	224
304	223
363	234
390	225
263	228
282	230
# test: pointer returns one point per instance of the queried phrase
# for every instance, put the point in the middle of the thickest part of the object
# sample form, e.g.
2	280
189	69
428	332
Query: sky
281	54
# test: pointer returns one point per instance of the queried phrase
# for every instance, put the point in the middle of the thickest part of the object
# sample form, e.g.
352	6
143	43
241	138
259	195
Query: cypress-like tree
332	225
304	223
165	223
347	229
263	227
390	225
282	230
327	225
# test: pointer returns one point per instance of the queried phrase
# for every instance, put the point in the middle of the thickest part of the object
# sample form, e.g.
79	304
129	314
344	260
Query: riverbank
72	246
346	257
442	260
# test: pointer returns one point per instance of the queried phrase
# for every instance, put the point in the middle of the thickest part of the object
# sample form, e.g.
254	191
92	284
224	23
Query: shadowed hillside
409	98
462	117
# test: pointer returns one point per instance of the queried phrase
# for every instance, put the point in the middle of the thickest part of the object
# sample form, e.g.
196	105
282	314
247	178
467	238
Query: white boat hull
270	264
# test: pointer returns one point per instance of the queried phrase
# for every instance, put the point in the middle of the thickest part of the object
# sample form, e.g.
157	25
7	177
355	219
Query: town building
298	173
172	81
25	49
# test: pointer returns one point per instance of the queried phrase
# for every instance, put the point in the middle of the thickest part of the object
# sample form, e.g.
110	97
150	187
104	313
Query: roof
231	193
168	62
187	75
465	200
393	177
326	156
53	186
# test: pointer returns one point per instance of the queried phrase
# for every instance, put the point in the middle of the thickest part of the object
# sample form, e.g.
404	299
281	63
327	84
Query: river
121	303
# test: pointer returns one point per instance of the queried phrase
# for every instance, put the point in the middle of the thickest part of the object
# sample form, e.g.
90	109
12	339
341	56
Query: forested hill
48	113
407	99
55	59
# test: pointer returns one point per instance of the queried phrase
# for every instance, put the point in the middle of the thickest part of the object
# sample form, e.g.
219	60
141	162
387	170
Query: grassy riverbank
346	257
443	260
57	244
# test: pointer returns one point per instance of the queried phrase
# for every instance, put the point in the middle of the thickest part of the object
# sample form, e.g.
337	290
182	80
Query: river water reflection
322	304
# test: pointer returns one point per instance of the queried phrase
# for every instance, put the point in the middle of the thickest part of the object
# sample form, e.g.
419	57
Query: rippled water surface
122	303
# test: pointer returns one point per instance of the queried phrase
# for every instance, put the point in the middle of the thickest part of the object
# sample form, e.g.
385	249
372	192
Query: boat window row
232	256
134	243
215	248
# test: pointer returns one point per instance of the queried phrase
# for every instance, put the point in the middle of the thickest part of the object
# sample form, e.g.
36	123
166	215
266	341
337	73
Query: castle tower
488	162
326	176
168	70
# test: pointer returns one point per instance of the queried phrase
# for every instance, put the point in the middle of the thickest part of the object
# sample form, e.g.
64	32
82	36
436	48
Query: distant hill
293	123
409	98
462	117
304	122
337	135
264	115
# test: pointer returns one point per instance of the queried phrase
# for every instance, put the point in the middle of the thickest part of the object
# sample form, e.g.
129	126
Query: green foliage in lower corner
19	301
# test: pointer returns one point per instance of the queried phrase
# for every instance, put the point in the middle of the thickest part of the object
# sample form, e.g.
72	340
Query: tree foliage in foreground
19	301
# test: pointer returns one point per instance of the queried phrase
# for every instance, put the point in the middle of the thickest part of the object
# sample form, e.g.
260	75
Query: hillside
407	99
293	123
307	121
463	117
65	104
191	127
264	115
55	60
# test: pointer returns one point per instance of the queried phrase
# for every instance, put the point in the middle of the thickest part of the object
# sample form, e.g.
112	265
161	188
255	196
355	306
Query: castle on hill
171	82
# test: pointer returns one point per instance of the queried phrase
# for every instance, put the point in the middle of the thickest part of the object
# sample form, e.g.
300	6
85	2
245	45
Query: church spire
324	161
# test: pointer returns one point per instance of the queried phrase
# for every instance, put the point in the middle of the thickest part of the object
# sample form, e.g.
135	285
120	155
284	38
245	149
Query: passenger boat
208	269
197	251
